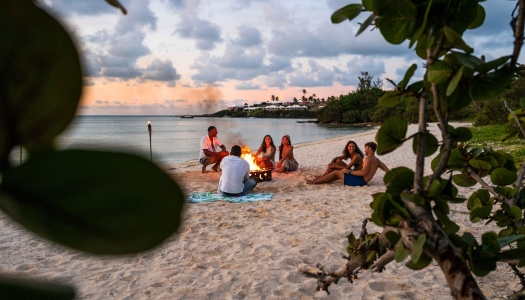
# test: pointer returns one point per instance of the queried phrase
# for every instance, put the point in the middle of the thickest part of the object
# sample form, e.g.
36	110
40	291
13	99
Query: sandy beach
251	250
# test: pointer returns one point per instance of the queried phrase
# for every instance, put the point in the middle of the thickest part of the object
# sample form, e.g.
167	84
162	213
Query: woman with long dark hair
287	162
352	152
267	152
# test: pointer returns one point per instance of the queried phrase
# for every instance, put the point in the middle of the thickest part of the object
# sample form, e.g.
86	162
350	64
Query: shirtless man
356	178
209	153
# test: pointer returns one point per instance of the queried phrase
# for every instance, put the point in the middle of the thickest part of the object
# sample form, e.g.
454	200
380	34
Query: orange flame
246	154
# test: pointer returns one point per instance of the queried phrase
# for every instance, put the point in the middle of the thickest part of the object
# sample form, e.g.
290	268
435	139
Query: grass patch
491	135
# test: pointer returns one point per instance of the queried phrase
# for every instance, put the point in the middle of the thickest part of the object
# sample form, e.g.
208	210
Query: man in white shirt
235	178
208	153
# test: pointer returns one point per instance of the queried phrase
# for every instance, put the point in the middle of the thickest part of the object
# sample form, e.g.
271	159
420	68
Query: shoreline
253	250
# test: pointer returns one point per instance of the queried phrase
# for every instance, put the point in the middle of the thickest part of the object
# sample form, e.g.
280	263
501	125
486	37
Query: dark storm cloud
160	71
204	32
248	36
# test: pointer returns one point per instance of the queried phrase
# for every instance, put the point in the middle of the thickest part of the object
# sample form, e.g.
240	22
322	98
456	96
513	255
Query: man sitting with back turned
208	155
235	178
360	177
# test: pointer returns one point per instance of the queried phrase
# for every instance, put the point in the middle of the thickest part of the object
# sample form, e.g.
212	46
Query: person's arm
383	167
256	155
357	160
288	154
223	148
364	170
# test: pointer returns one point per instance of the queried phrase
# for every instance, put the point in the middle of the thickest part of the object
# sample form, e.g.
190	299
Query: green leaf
348	12
479	164
42	80
504	241
439	72
98	202
463	180
401	253
391	134
512	254
392	238
400	182
470	61
479	19
391	98
423	26
483	264
491	65
490	85
478	213
415	87
469	239
417	248
422	263
454	82
507	231
409	73
435	188
515	212
455	40
489	242
389	176
522	102
489	159
431	144
366	23
462	134
502	177
371	257
351	239
482	195
396	20
11	288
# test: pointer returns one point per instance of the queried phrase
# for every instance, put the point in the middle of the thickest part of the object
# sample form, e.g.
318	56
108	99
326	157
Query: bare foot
308	181
214	169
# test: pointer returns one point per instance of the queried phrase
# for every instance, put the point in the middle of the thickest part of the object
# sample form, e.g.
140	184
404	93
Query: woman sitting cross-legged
267	152
287	162
352	152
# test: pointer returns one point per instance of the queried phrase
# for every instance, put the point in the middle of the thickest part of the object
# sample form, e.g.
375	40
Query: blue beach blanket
201	197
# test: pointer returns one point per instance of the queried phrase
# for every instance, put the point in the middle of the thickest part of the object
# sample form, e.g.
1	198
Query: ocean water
176	140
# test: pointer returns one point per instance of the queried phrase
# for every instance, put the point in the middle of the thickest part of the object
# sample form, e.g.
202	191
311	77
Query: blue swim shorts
353	180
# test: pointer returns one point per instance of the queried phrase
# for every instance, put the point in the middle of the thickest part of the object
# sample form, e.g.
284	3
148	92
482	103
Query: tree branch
518	33
515	117
423	132
485	185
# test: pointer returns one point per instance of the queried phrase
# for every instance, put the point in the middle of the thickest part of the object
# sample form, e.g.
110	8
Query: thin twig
515	117
485	185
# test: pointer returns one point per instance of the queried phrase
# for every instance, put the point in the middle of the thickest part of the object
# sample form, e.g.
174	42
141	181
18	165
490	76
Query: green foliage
99	202
454	81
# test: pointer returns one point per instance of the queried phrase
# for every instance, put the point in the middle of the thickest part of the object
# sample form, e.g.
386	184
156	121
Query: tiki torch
149	129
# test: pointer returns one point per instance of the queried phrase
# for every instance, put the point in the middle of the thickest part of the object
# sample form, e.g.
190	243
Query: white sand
250	250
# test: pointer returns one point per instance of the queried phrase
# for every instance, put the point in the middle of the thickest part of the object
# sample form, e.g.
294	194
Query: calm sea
176	140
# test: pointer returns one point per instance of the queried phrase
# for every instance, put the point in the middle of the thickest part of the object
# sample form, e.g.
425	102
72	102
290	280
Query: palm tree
314	95
277	98
273	98
304	94
294	100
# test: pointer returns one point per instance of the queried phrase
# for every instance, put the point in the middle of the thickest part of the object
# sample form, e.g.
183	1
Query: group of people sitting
235	178
264	157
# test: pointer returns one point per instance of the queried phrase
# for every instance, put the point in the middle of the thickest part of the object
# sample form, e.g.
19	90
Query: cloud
248	36
204	32
159	70
239	58
247	86
90	8
88	82
318	76
99	102
276	80
374	66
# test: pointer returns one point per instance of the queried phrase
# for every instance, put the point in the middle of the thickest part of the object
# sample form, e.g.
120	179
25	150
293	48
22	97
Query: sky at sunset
173	57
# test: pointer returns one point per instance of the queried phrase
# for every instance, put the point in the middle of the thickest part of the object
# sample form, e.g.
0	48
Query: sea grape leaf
391	98
409	73
392	238
470	61
454	82
455	40
488	86
98	202
435	189
38	75
11	288
417	248
462	134
491	65
431	144
515	212
396	22
504	241
479	164
371	257
395	172
366	23
502	177
439	72
391	134
401	253
463	180
479	19
489	241
512	254
348	12
423	262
